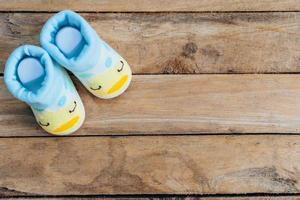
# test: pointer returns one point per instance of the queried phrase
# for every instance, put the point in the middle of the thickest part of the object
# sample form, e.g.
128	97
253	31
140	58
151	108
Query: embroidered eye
119	70
75	105
98	88
47	124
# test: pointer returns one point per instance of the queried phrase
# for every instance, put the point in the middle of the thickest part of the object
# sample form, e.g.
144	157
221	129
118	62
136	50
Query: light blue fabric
50	90
35	84
89	55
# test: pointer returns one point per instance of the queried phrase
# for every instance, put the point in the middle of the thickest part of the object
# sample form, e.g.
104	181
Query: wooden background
213	111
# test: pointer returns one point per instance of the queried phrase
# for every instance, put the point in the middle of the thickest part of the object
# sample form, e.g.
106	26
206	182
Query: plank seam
157	195
153	12
158	135
196	74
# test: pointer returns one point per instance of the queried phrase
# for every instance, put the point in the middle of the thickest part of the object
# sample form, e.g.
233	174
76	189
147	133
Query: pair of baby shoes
37	76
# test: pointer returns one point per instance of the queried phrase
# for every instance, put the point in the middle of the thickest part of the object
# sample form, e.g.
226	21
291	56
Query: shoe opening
69	41
30	76
31	73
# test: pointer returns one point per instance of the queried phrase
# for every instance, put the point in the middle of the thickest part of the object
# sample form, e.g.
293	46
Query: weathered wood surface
156	104
150	165
149	6
240	198
229	40
249	198
155	43
166	197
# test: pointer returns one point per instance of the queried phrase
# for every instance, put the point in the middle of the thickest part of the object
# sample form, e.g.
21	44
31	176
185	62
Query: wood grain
176	43
150	6
168	197
178	104
266	197
150	165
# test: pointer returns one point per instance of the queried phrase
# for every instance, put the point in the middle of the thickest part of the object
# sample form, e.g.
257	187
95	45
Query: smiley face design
112	82
66	116
110	77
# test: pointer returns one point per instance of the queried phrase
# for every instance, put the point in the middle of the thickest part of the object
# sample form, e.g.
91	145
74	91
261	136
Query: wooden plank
150	165
169	197
182	42
253	198
156	104
149	6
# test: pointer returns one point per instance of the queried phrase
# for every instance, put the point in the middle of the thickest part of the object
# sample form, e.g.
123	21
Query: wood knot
189	50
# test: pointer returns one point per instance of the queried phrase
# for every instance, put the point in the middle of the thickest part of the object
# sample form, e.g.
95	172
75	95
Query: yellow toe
67	125
118	85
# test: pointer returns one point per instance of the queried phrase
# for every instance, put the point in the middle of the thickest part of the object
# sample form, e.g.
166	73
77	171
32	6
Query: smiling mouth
67	125
118	85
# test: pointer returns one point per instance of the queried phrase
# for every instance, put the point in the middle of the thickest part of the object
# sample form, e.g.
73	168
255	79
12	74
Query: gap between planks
170	197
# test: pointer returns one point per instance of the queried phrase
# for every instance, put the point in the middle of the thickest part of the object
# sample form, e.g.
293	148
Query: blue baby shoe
32	77
74	44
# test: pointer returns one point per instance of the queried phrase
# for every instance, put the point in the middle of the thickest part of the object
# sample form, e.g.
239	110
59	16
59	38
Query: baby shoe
32	77
74	44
